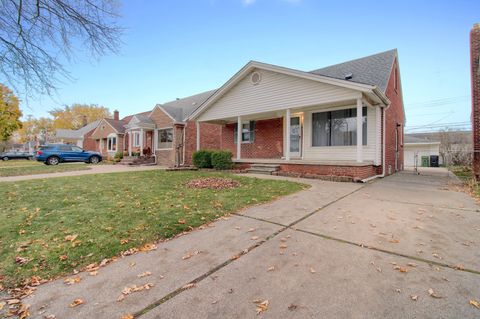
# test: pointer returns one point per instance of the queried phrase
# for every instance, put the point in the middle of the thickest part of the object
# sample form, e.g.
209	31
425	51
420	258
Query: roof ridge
354	60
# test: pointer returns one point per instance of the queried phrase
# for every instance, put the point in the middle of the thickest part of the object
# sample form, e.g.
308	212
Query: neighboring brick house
343	120
80	137
475	71
162	134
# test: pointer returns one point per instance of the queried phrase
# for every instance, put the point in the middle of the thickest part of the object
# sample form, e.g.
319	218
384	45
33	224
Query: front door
295	136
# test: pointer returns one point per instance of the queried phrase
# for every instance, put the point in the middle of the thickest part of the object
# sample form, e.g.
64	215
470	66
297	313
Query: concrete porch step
263	168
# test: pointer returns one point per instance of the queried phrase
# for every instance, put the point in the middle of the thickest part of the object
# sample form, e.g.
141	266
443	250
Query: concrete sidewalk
335	250
94	169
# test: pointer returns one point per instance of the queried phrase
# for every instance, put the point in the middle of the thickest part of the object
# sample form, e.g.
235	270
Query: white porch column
287	135
359	131
198	135
141	142
129	143
239	137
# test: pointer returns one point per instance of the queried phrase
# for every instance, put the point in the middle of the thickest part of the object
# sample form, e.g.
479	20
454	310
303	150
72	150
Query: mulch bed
213	183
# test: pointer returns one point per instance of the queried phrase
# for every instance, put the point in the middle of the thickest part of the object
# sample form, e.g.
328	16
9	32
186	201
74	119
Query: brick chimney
116	115
475	71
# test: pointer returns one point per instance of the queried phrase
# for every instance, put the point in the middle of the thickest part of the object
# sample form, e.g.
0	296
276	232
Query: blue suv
54	154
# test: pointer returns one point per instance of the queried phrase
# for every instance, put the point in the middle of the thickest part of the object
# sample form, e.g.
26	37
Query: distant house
80	137
162	135
421	152
343	120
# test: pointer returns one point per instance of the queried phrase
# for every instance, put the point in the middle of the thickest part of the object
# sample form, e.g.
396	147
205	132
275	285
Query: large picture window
248	132
338	128
165	138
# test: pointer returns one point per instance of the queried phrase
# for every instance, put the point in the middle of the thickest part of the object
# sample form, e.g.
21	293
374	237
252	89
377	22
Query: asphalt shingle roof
76	134
373	69
182	108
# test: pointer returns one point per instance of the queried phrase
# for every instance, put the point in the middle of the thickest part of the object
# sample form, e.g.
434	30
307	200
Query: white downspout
383	152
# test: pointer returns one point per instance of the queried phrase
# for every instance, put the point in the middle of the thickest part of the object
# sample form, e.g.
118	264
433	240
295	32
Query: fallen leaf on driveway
76	302
251	230
144	274
412	264
127	316
254	238
133	288
262	305
312	270
3	303
460	267
394	241
283	246
433	294
188	286
72	280
400	269
13	301
436	255
271	268
414	297
93	273
148	247
475	303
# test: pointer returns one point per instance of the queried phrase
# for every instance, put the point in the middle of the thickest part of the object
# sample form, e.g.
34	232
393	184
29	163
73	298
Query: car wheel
94	160
5	158
53	160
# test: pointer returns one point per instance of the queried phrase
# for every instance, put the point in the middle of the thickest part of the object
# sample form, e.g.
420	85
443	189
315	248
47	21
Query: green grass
18	163
105	209
40	169
462	172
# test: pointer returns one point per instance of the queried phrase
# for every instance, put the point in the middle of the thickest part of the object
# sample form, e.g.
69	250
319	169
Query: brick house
161	135
475	71
343	120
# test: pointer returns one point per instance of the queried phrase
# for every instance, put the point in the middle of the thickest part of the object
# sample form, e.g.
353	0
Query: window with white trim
112	143
248	132
136	139
165	138
338	128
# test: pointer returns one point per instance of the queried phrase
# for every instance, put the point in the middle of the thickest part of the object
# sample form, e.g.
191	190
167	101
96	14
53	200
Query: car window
65	148
77	149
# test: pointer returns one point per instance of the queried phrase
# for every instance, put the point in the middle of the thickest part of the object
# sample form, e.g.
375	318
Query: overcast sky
175	48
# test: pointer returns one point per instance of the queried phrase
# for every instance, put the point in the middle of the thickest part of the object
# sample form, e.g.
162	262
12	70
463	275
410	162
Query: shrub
202	159
222	160
118	156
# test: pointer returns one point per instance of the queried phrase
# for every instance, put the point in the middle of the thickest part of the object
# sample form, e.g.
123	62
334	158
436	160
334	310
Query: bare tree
455	147
36	34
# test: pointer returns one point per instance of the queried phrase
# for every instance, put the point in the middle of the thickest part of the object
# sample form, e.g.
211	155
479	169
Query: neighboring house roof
373	69
127	118
181	109
457	137
143	119
118	125
76	134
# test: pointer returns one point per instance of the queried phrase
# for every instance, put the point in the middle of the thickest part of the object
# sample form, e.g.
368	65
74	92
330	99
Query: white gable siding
275	92
341	153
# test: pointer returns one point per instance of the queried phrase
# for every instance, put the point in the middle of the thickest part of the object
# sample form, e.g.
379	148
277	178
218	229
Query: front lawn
19	163
50	227
18	170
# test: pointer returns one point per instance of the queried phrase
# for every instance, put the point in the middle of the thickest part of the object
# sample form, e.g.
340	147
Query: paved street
336	250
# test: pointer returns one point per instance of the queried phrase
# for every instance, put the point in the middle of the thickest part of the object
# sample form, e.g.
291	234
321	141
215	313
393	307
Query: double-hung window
165	138
338	128
136	139
248	132
112	143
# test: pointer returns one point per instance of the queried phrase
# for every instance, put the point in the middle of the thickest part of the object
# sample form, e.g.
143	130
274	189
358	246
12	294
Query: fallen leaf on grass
475	303
181	221
3	303
71	237
21	260
63	257
144	274
76	302
262	305
13	301
72	280
433	294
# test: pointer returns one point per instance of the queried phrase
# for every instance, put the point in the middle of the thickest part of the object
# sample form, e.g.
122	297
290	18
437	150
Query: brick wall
268	141
394	123
210	138
475	73
88	142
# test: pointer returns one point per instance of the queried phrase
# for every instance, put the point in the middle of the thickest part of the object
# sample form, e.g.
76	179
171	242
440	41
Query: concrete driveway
336	250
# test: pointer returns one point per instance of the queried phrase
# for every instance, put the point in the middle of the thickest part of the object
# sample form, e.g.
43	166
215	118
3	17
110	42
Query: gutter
366	180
